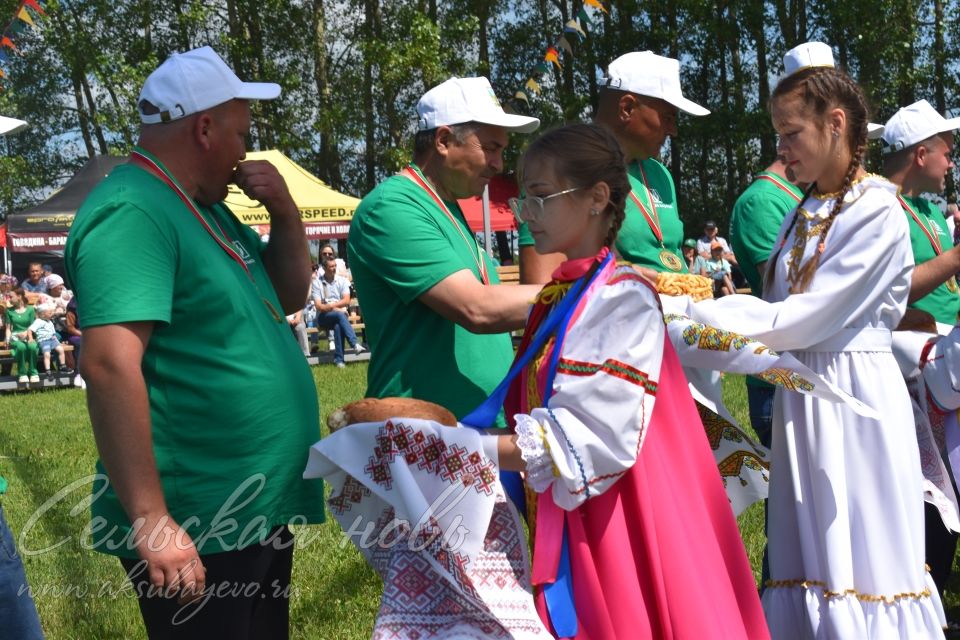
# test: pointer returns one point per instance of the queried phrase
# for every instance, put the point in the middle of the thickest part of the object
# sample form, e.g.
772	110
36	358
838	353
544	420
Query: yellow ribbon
553	292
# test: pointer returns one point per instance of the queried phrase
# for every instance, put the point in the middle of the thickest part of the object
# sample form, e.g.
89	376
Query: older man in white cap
917	144
202	405
436	317
639	104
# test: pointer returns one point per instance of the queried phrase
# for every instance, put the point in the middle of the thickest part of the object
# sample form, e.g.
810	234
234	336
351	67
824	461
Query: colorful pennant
578	30
22	19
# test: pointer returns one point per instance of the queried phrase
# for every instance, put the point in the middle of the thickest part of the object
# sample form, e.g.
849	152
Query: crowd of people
593	432
39	317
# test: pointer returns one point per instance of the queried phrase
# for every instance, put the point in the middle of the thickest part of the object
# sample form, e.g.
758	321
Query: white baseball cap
10	125
190	82
647	74
806	55
915	123
461	100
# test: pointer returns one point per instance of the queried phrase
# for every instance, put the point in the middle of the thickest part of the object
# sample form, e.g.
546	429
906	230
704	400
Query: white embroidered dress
846	539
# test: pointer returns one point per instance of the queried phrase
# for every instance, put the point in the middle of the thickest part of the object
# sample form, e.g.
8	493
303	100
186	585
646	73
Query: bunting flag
578	30
573	26
24	15
21	21
553	56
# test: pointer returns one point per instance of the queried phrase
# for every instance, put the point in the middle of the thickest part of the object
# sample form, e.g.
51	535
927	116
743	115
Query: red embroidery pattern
350	494
428	453
611	367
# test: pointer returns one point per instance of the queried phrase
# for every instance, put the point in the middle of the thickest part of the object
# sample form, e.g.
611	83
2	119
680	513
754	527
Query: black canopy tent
39	233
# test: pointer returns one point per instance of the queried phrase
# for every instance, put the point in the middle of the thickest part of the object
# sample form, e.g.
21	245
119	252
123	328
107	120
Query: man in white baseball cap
436	316
639	103
193	382
917	145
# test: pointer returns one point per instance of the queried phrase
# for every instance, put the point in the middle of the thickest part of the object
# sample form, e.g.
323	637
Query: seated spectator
57	295
718	268
19	318
35	282
74	337
331	298
7	280
327	251
711	235
694	261
46	336
299	328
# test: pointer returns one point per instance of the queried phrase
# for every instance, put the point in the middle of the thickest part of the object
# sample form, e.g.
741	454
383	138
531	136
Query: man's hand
173	563
261	181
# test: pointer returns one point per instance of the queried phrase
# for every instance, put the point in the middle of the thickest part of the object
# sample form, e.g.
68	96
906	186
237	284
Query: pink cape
658	554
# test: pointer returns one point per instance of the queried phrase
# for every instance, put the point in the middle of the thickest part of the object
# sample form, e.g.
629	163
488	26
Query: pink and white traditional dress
618	466
846	539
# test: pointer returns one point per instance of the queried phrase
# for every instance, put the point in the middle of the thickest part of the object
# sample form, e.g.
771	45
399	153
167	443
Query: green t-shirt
20	321
401	245
942	303
233	404
755	223
636	241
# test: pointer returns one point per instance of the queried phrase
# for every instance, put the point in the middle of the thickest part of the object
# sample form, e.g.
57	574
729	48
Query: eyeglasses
326	255
531	207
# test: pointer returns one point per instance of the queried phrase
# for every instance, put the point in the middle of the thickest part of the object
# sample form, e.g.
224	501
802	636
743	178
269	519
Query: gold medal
670	260
952	285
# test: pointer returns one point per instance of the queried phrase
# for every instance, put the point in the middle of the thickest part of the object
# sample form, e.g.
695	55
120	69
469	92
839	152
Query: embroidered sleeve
594	424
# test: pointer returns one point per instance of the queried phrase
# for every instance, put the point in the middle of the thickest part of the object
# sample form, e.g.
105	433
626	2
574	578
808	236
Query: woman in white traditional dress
846	498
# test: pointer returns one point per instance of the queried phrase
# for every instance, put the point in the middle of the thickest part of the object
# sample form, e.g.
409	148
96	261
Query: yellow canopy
321	208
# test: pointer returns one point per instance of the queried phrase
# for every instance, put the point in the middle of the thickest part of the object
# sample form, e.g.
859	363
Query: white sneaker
339	365
358	348
23	380
78	382
34	379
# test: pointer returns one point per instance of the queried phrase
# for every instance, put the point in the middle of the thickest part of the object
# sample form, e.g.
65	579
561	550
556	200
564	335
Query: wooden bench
8	353
509	274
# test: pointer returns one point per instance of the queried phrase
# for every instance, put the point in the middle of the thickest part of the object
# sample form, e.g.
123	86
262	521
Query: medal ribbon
783	187
933	237
160	172
414	173
151	166
652	218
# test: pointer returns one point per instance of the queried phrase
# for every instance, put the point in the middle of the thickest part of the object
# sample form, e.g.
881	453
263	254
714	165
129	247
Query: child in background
46	336
718	268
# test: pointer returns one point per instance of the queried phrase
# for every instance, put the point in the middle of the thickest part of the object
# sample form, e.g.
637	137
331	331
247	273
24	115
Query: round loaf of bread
380	409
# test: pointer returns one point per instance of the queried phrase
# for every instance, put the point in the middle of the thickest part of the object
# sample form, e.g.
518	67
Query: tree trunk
82	114
329	160
371	9
939	72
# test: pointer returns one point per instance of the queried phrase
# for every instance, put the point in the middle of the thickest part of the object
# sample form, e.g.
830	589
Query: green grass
46	444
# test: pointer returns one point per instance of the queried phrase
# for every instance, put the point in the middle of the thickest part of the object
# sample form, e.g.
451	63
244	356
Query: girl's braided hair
821	89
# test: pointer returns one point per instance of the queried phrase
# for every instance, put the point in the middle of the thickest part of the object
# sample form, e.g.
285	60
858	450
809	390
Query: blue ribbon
558	594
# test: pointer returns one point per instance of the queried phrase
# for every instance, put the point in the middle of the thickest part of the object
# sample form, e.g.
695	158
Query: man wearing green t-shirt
917	143
202	405
436	317
639	103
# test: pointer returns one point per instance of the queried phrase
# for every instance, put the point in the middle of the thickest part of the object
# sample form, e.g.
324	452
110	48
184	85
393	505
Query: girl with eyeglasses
633	536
